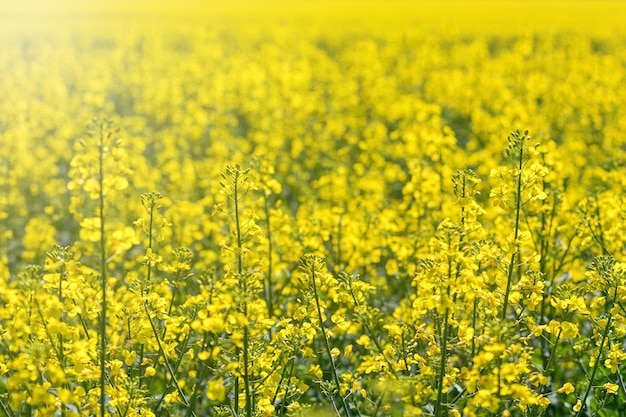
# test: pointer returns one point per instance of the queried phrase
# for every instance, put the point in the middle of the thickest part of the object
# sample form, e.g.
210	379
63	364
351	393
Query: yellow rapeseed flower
567	388
216	390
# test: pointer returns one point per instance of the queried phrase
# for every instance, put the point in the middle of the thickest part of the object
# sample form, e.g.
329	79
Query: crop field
313	208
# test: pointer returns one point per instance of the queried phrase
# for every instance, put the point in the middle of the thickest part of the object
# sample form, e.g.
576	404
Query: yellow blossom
567	388
216	390
316	371
577	406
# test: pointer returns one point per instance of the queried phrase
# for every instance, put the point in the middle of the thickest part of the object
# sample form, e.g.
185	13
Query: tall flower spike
465	185
516	149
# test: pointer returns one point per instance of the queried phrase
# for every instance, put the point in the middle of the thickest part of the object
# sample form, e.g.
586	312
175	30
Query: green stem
168	366
246	330
7	411
45	326
474	313
268	285
444	351
370	333
339	232
286	378
442	364
552	351
167	386
103	276
518	207
61	354
150	210
83	323
237	225
326	344
546	368
279	385
379	403
246	375
405	357
605	334
200	376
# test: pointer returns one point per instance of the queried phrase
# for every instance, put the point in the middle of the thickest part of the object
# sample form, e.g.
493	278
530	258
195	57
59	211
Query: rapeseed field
351	208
